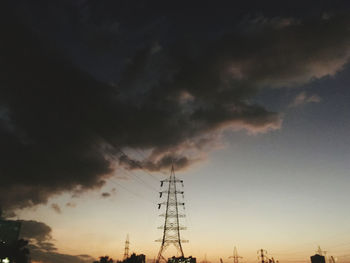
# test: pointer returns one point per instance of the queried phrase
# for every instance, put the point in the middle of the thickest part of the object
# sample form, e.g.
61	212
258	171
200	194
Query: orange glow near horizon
286	235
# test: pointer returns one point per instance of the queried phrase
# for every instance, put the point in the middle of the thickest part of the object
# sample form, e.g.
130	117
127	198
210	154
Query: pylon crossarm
173	228
171	203
173	215
176	192
176	203
172	241
172	180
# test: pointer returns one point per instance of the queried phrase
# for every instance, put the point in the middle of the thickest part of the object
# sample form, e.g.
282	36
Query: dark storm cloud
41	247
164	162
34	230
40	254
62	130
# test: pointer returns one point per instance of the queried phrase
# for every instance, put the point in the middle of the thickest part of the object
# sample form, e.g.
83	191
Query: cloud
303	98
62	130
105	195
41	247
56	208
39	255
288	56
113	191
161	162
34	230
71	204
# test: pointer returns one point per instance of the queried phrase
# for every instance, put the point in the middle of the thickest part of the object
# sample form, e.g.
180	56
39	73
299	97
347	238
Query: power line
140	153
144	183
132	192
129	160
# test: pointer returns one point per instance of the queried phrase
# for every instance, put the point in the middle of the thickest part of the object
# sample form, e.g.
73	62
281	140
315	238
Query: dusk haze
146	131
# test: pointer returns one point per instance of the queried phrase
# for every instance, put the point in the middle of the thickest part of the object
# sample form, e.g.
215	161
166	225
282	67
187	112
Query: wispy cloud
71	204
304	98
56	208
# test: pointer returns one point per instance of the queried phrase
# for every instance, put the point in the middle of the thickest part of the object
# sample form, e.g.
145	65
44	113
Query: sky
248	99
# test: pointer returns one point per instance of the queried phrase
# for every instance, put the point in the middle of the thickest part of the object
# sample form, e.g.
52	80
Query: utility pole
262	256
235	255
126	249
171	228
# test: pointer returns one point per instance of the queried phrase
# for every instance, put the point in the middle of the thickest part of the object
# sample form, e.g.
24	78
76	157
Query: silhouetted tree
105	259
16	252
135	258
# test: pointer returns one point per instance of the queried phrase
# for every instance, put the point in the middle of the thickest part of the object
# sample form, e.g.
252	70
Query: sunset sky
249	99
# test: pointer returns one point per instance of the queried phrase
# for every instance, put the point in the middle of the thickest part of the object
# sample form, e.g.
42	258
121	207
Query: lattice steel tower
235	255
126	249
171	228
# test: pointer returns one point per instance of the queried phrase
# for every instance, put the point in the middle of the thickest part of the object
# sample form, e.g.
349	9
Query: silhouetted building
318	259
135	259
182	260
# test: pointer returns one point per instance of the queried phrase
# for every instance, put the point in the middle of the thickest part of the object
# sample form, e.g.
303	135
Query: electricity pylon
205	259
262	256
321	252
235	255
171	228
126	249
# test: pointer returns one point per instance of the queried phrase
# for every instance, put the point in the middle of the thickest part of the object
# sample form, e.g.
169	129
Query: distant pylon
126	249
171	228
235	255
321	252
262	256
205	258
